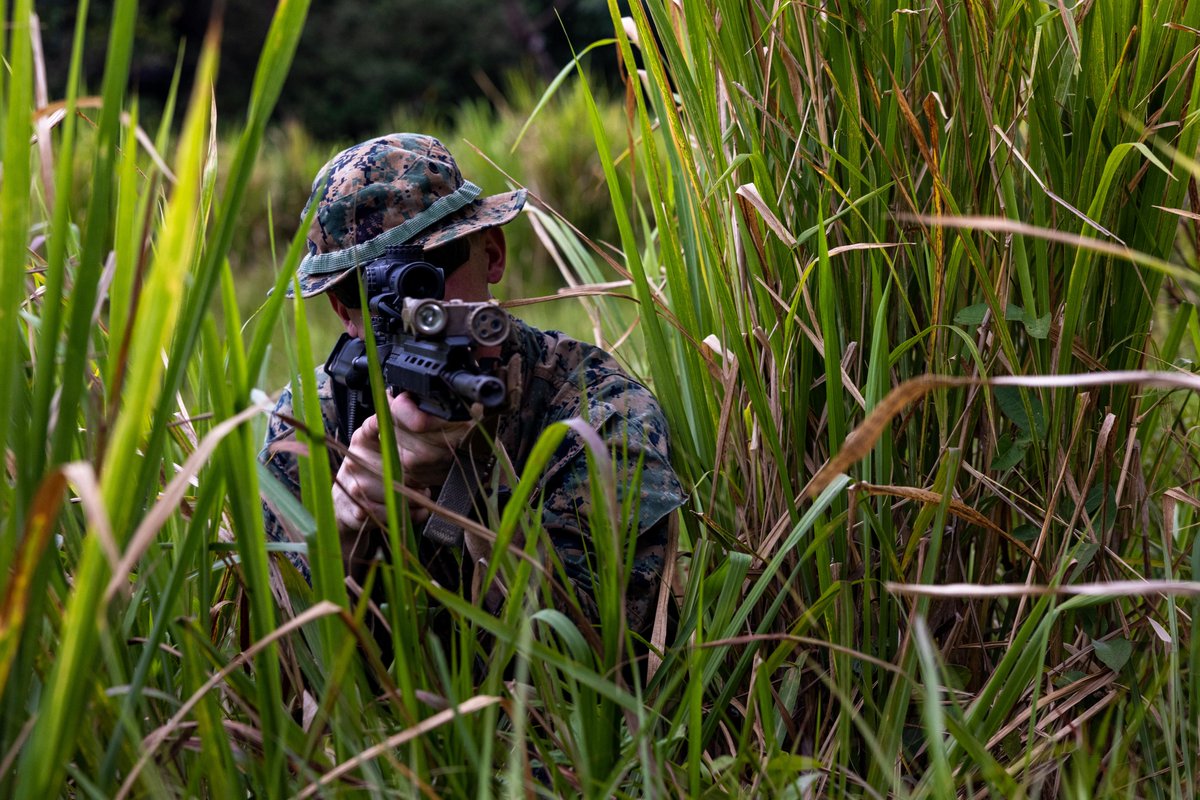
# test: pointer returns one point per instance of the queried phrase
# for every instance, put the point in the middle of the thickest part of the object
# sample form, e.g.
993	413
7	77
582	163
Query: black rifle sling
464	481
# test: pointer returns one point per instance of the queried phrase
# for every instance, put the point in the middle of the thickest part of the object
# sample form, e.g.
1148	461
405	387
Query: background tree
357	60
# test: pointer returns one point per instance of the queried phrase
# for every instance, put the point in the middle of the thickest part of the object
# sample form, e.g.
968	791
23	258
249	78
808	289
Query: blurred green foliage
357	60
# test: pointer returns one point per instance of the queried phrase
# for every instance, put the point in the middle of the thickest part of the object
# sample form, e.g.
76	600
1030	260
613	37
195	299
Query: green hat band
351	257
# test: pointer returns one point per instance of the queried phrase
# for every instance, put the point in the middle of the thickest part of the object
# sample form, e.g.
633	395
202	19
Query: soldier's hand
358	491
426	443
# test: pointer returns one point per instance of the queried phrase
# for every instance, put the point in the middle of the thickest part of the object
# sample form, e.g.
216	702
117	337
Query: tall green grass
808	164
813	209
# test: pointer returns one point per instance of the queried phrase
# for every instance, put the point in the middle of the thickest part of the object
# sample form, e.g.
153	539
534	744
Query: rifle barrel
484	389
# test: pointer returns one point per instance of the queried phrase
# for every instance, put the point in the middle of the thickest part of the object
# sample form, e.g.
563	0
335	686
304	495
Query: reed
915	285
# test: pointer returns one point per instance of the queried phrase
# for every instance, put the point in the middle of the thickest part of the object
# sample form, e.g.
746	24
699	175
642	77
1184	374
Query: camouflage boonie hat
403	188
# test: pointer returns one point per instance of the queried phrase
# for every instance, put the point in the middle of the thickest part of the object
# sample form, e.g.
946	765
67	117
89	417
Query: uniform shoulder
562	359
570	378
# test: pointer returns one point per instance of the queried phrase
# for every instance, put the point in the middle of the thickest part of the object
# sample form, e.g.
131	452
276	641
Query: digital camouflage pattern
385	182
285	466
560	379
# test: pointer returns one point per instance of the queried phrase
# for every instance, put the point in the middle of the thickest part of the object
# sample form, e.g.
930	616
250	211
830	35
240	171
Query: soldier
407	189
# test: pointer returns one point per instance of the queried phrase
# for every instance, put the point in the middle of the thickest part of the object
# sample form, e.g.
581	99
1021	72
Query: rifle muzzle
483	389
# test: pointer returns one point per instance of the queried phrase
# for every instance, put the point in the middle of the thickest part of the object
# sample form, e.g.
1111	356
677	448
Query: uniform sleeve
634	431
285	465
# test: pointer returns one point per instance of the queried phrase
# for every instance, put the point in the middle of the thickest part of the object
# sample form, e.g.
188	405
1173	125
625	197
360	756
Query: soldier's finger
376	512
369	489
368	431
408	416
364	460
346	509
419	514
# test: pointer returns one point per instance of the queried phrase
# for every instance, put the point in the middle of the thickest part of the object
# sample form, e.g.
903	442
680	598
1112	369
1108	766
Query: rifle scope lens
417	279
429	318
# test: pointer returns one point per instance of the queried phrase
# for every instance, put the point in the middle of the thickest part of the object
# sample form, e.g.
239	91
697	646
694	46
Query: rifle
424	344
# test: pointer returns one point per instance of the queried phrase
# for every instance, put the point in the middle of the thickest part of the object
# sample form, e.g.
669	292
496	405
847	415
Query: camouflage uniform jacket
560	379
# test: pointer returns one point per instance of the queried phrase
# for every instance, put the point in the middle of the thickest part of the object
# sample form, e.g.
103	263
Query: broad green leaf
1012	402
1010	453
1113	653
971	315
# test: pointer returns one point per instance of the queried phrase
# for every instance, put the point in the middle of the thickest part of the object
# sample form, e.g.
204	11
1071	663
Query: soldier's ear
496	250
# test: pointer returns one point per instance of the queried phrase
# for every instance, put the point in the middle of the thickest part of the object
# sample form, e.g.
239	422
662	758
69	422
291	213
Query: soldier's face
469	283
352	318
